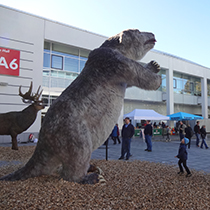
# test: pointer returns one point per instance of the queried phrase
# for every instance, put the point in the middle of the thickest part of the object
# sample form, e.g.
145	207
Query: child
183	157
203	136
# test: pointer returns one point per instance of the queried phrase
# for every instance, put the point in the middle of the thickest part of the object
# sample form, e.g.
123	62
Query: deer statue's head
31	98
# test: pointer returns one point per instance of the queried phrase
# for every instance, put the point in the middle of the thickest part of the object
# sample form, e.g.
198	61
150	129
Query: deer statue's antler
28	97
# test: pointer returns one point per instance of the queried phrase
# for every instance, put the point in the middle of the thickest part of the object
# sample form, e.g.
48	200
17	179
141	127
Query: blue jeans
126	143
197	138
148	140
204	142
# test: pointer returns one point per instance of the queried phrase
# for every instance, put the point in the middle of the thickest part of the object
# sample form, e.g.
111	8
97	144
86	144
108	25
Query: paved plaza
162	152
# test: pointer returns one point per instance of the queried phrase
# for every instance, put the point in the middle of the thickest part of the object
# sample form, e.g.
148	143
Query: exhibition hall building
52	55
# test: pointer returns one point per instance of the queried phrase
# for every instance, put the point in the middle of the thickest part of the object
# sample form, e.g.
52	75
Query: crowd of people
185	134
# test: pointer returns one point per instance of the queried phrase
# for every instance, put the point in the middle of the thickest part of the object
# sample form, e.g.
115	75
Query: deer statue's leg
14	142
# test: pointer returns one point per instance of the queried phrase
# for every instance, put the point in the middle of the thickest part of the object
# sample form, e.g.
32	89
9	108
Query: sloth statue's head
131	43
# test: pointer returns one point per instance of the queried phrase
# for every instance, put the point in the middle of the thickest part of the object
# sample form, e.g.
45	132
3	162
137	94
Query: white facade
28	33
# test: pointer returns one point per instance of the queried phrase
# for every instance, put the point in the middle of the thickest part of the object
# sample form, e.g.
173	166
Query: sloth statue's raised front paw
153	66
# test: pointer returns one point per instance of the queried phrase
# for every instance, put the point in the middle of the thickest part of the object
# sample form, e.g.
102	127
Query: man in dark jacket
148	136
197	133
203	136
127	133
182	127
188	134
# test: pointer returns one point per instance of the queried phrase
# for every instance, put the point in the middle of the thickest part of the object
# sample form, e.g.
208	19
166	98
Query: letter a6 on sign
9	62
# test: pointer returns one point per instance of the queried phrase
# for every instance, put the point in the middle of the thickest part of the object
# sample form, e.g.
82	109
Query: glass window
57	57
46	72
47	46
179	85
208	87
57	62
174	83
45	81
52	99
65	49
71	64
188	87
54	73
61	74
192	86
163	83
187	84
198	88
84	53
82	64
162	72
46	62
45	100
71	76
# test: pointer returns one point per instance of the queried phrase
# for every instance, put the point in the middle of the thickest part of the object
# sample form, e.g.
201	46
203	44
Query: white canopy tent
145	114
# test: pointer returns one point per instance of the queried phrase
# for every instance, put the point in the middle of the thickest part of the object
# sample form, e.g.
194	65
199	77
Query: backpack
191	133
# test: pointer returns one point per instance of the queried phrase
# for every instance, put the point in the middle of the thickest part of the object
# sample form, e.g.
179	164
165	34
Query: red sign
9	62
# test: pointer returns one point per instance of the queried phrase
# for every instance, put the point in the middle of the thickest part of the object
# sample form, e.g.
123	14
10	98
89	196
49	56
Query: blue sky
181	27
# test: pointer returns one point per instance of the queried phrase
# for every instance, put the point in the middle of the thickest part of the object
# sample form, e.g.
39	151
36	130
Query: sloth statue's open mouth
150	41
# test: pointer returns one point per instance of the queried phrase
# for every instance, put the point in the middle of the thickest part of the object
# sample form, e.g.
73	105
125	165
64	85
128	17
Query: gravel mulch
129	185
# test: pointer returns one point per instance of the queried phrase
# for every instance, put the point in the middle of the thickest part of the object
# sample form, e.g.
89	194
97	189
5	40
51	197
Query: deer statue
14	123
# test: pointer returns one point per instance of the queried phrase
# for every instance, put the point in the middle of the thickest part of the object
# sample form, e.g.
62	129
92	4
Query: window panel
71	64
61	74
57	62
82	64
208	87
46	72
71	76
47	46
187	84
174	83
70	60
65	49
46	62
54	73
84	53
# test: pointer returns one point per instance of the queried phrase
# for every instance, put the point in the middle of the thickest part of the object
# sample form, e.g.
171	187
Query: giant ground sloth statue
81	118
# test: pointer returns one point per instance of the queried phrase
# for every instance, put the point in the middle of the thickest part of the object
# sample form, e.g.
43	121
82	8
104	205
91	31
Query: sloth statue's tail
41	163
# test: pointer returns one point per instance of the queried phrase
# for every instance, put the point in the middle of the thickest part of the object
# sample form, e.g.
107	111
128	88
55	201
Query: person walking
197	133
203	136
148	136
182	155
114	134
182	127
188	134
118	134
168	133
127	134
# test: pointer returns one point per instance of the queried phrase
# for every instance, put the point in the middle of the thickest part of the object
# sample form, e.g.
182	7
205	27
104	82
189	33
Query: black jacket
127	132
182	155
189	132
197	128
203	133
148	130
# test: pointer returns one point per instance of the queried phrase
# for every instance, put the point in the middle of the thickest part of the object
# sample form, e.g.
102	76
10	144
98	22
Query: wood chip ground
129	185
